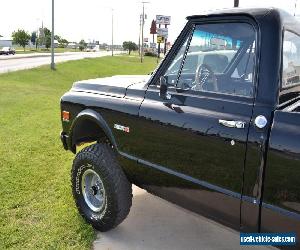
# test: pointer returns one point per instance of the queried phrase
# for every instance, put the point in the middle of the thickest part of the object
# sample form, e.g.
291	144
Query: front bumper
63	138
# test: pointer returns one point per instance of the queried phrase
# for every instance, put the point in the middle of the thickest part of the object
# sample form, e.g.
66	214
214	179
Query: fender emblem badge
122	128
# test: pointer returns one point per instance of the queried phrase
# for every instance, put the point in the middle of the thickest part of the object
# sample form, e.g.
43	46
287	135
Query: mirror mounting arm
163	90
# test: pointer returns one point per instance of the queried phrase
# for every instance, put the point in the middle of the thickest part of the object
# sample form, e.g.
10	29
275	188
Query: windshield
193	59
213	49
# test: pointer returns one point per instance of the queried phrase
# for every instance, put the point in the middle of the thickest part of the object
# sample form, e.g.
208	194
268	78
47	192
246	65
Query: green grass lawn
36	207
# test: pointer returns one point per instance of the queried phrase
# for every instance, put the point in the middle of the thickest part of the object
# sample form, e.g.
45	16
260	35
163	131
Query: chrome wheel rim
93	190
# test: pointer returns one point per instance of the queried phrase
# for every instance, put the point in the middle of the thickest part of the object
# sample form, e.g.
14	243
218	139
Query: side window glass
291	59
173	70
220	58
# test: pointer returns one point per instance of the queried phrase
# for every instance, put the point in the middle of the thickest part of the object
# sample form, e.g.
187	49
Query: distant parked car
7	51
95	49
92	49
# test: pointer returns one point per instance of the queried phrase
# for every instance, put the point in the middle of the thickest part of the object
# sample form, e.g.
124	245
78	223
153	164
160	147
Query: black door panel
184	136
197	140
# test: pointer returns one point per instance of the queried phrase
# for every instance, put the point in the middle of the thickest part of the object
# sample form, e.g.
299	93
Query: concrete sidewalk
157	224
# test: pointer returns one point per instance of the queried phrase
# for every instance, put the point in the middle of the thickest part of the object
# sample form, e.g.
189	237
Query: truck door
196	134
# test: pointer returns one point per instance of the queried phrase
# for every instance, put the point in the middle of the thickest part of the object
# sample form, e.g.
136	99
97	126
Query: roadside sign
152	45
162	32
153	28
160	39
161	19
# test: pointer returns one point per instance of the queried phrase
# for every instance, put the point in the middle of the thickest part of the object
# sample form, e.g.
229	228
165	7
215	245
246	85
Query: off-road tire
118	191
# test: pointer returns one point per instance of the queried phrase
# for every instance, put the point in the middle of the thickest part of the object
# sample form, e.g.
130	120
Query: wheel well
87	131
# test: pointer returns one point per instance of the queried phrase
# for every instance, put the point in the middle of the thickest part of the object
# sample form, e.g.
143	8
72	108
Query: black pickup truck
215	128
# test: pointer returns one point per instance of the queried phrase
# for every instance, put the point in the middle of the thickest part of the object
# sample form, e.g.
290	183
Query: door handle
232	124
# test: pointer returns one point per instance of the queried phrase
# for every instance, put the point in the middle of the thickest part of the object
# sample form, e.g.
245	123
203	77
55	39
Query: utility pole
143	23
52	39
37	34
295	7
112	32
140	34
165	45
158	47
43	41
236	3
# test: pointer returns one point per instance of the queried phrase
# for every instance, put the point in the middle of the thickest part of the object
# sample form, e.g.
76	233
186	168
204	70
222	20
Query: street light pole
37	34
112	32
140	34
143	23
52	39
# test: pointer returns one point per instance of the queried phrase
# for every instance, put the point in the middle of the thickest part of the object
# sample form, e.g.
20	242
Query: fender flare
89	114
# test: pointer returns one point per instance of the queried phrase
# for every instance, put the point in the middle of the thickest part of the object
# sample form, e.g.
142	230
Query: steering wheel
204	74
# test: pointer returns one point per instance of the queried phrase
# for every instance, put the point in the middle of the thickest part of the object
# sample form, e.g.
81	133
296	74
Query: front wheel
100	188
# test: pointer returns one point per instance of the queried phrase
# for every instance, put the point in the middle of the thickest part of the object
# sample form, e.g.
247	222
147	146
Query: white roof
6	39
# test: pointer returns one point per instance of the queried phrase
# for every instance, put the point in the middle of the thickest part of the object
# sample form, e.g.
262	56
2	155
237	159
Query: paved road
19	62
156	224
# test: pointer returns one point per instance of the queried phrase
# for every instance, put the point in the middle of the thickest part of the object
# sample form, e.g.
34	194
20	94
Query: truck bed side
281	197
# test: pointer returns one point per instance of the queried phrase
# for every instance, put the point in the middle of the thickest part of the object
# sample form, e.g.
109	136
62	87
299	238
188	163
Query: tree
82	45
21	37
48	42
130	46
63	42
57	37
33	37
44	37
47	34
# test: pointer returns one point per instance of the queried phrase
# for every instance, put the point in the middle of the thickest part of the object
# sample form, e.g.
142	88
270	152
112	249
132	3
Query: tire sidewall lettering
78	177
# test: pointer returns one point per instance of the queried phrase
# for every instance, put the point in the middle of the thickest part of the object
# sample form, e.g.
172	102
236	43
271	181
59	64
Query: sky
91	19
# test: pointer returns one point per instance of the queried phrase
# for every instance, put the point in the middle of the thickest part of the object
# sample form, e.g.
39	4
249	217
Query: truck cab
215	128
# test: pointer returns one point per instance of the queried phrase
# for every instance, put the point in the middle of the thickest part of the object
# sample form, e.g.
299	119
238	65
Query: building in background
55	43
5	42
92	44
72	45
